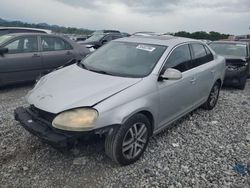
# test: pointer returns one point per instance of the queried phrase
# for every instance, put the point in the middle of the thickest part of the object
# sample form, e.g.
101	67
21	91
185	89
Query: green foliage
54	28
212	35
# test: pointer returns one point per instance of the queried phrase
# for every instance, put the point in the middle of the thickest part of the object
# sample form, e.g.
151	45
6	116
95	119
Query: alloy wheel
134	140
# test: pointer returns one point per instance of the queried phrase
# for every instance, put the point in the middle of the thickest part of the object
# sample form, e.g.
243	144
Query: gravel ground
200	150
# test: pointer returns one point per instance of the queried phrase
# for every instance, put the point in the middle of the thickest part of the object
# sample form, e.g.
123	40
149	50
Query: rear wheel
213	97
126	144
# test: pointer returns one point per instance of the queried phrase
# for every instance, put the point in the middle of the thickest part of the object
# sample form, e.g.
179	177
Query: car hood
73	87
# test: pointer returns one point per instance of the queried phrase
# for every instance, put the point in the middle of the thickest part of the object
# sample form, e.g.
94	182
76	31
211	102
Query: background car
25	56
127	90
9	30
237	61
97	40
105	31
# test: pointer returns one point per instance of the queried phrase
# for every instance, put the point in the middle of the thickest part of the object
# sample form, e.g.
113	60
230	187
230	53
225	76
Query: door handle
212	71
193	80
68	53
36	55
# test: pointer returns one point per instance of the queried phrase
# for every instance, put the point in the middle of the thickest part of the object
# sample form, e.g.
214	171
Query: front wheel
126	144
242	83
213	97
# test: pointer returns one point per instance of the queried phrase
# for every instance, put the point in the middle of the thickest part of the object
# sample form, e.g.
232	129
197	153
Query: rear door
204	65
23	62
55	52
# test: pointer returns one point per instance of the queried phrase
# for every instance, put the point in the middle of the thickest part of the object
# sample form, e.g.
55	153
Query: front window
95	38
4	38
230	49
124	59
23	45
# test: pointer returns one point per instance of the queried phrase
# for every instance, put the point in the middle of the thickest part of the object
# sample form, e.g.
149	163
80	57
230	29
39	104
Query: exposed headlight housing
79	119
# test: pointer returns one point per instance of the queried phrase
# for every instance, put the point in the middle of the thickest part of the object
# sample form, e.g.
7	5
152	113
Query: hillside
54	28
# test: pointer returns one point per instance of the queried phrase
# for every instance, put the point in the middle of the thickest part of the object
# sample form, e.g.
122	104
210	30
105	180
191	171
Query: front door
23	62
177	96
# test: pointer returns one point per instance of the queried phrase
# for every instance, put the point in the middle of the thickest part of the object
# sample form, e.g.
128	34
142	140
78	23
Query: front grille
42	114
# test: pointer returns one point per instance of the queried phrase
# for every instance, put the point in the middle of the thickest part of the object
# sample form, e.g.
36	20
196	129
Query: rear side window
210	56
107	38
116	37
23	45
179	58
200	55
54	44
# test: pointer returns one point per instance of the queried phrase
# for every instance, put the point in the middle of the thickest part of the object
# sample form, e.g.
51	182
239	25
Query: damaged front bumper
235	73
43	128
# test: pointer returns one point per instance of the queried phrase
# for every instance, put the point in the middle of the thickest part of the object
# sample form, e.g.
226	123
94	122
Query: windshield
230	49
124	59
4	38
94	38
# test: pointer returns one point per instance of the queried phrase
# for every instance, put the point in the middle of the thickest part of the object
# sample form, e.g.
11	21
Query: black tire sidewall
207	104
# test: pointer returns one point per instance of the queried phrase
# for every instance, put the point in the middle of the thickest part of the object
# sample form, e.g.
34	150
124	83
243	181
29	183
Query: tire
124	148
213	97
242	83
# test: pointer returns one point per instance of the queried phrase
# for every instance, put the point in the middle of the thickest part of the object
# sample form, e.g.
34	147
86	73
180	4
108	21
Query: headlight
80	119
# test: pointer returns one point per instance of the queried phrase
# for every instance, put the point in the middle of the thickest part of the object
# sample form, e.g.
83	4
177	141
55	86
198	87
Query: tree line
212	35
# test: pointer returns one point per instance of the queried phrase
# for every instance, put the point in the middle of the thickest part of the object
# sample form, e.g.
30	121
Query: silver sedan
127	90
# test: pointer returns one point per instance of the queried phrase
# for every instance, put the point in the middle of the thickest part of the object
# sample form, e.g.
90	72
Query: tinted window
210	56
200	55
54	44
179	59
108	38
199	51
95	37
23	45
116	37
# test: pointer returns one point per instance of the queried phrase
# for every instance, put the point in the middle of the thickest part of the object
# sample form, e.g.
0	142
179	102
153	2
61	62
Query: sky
226	16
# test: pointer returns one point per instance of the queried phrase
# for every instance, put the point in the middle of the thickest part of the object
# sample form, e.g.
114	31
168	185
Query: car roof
26	28
35	34
164	40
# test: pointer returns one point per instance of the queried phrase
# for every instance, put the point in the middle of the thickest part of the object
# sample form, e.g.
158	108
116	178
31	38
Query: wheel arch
146	113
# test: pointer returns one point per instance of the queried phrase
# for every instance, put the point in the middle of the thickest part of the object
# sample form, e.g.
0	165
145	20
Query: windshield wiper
100	71
82	65
93	70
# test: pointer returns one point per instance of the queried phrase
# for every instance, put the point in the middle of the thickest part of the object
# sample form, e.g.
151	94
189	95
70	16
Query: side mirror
104	41
171	74
4	51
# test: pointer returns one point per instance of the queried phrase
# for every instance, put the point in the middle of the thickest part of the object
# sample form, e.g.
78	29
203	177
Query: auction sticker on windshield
145	47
